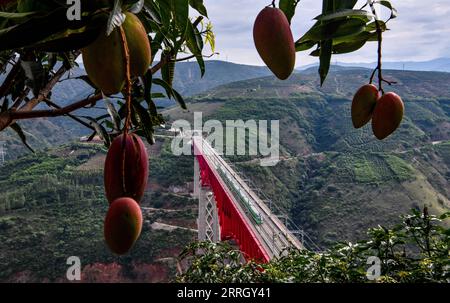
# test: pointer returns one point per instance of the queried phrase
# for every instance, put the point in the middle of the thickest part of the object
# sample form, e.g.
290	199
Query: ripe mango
104	58
363	104
388	115
123	225
274	42
126	177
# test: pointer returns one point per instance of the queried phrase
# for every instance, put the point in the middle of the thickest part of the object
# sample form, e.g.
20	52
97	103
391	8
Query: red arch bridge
231	207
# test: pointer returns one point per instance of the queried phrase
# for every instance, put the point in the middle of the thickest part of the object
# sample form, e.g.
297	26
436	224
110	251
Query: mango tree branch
159	65
26	111
380	41
29	114
127	90
20	98
75	118
193	56
6	118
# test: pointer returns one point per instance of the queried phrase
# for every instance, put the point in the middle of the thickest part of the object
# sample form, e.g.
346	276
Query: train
241	196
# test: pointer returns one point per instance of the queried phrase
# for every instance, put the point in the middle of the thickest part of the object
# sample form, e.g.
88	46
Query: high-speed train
241	195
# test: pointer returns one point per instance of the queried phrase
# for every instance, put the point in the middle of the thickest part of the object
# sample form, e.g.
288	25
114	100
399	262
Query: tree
415	251
38	36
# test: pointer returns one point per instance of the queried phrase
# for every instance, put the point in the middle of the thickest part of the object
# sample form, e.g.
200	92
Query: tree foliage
415	251
37	37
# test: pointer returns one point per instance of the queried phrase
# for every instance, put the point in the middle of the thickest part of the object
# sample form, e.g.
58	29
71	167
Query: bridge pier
208	219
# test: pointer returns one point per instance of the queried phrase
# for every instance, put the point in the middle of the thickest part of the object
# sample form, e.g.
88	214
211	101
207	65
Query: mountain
53	206
333	180
436	65
187	81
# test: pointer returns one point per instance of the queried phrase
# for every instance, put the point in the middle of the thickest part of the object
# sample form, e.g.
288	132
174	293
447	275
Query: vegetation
60	202
336	181
415	251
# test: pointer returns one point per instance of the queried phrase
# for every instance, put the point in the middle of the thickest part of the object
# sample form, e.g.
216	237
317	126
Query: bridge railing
291	232
299	233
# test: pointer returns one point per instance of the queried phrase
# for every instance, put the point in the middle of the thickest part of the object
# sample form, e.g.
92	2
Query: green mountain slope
334	180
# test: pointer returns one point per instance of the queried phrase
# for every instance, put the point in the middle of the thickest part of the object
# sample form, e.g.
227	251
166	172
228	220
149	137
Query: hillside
187	81
334	180
436	65
52	206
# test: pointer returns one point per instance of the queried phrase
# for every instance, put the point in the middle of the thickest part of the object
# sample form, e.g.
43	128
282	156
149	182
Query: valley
333	180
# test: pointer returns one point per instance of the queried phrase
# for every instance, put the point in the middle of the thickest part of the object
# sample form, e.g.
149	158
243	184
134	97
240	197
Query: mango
126	168
123	225
363	104
104	58
274	42
388	115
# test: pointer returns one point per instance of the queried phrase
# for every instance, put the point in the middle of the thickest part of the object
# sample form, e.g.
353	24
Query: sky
420	32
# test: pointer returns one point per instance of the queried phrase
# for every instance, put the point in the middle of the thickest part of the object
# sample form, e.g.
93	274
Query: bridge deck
271	233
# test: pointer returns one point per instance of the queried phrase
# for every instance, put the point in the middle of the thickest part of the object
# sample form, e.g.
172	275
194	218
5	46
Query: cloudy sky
421	31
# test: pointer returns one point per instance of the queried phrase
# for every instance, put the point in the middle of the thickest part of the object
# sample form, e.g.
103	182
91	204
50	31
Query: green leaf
180	9
388	4
21	134
342	4
444	216
5	105
158	95
115	118
364	35
86	79
41	27
288	7
116	17
137	7
151	11
148	93
304	45
144	121
325	58
165	12
168	69
199	7
100	130
330	30
179	99
348	47
171	92
355	13
7	15
195	45
373	26
70	40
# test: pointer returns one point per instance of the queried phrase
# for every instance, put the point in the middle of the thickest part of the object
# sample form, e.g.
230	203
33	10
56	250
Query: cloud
420	32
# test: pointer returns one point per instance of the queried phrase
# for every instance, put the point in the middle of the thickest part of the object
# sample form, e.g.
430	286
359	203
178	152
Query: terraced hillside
334	181
337	181
52	207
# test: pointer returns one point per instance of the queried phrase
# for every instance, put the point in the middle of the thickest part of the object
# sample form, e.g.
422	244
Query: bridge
232	208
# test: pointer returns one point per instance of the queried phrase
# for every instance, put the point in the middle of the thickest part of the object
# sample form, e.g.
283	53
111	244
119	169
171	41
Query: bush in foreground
415	251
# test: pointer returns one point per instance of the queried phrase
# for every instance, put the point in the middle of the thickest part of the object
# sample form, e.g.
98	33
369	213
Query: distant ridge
435	65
